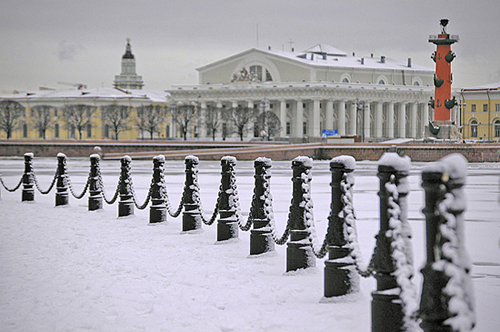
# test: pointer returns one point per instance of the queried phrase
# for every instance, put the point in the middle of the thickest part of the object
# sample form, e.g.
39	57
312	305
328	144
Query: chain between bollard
350	218
85	188
117	191
45	192
404	268
215	212
15	188
148	197
179	208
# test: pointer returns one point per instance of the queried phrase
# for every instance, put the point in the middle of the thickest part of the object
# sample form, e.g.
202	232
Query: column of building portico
353	119
379	119
341	117
329	114
390	119
316	119
413	119
201	118
366	120
402	120
282	116
299	119
425	117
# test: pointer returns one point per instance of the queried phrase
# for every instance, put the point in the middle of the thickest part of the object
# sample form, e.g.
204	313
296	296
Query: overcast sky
44	42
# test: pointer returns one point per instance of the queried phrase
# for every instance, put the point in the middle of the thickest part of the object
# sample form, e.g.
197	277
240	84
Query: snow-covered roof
97	94
491	86
326	49
312	58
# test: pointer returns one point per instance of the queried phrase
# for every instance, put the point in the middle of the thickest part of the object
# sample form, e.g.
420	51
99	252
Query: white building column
353	119
283	116
402	120
378	119
234	104
413	119
299	116
329	114
390	119
250	104
366	119
341	117
425	117
316	119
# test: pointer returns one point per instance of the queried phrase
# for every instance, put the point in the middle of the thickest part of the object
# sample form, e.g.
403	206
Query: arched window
259	73
473	128
497	128
345	80
381	82
416	83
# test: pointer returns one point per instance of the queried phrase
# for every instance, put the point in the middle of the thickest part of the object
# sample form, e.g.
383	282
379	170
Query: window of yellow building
497	128
473	107
473	128
485	107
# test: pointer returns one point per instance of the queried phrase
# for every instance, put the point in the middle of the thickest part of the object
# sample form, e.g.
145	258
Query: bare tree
42	117
212	120
183	115
116	116
78	116
150	118
268	122
240	117
10	114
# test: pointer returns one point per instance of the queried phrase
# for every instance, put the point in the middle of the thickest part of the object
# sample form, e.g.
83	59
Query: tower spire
128	78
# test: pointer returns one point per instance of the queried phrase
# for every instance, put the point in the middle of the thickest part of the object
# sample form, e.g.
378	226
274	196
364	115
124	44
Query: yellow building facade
481	112
97	99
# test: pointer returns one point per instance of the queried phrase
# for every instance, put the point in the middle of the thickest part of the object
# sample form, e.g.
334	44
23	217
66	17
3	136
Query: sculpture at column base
442	130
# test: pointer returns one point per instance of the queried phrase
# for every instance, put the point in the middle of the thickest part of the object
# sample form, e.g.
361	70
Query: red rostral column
443	57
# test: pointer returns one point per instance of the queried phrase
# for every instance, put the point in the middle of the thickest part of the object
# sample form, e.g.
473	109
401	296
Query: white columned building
319	90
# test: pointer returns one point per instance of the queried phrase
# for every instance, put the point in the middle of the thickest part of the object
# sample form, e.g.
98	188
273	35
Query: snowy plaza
68	269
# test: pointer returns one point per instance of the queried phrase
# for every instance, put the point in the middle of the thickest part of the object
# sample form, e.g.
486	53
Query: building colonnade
373	115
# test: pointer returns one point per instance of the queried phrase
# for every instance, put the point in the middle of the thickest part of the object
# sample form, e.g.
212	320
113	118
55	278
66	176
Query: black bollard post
261	239
95	190
227	224
388	312
126	203
299	252
446	272
28	192
62	194
191	217
341	277
158	209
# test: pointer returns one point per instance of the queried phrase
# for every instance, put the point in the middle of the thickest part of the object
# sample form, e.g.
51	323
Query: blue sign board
329	132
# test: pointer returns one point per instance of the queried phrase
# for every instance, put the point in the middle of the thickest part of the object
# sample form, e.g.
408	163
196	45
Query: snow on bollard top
392	159
304	160
61	155
95	156
229	160
191	159
266	162
456	166
29	154
346	162
127	158
159	157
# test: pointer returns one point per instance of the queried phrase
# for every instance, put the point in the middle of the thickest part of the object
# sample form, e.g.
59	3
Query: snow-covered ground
67	269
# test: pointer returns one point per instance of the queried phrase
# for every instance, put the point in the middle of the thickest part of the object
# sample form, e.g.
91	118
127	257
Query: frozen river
69	269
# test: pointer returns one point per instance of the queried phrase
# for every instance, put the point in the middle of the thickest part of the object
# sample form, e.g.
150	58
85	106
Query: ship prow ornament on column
442	103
